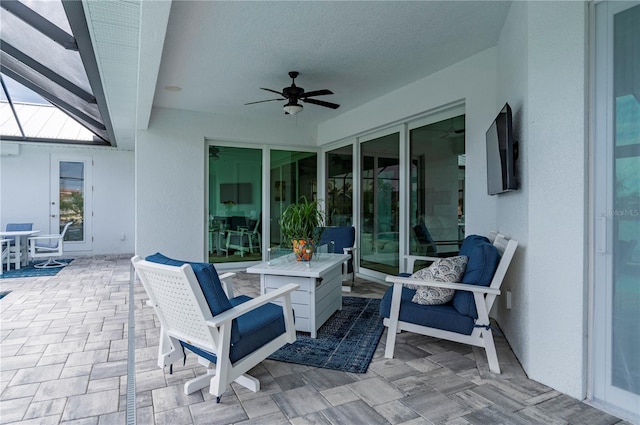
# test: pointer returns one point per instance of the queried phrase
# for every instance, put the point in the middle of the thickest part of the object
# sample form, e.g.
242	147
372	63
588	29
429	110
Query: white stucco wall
557	194
25	193
541	73
512	212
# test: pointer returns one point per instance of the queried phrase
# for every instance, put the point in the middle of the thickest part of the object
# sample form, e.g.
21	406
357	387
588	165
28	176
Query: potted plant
302	224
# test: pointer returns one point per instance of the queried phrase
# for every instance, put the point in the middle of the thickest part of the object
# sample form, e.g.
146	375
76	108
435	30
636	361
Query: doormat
346	342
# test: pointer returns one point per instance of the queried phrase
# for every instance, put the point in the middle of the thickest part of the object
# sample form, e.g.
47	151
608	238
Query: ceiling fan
293	94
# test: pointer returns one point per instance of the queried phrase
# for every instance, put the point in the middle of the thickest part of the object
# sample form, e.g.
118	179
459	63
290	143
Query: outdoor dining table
18	234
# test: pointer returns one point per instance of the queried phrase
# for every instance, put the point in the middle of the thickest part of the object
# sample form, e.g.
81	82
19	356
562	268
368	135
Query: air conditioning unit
9	149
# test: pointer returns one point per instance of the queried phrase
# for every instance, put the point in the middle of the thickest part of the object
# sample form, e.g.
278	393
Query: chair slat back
14	227
506	248
179	302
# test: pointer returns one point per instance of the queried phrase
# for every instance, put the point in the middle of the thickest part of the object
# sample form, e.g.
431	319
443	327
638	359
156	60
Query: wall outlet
508	300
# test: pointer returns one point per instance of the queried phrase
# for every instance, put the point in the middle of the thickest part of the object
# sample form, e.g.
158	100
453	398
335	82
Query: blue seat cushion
209	283
482	264
255	329
442	316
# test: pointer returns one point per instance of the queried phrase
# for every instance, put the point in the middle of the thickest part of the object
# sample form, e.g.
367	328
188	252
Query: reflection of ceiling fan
293	94
451	132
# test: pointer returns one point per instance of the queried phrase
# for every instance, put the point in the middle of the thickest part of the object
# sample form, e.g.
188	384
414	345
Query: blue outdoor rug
345	342
30	271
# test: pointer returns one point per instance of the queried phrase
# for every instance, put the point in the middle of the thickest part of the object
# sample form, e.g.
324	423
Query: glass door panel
380	209
293	174
616	299
339	196
437	187
71	201
235	204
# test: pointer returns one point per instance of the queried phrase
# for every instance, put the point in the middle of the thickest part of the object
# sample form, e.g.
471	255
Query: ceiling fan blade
322	103
273	91
262	101
316	93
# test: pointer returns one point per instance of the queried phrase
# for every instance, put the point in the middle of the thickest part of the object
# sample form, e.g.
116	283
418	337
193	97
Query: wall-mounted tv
238	193
502	154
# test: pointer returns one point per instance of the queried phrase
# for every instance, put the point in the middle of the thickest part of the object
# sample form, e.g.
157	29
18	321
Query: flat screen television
238	193
502	154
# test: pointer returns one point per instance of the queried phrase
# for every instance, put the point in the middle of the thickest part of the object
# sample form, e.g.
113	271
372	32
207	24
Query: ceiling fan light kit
292	109
294	93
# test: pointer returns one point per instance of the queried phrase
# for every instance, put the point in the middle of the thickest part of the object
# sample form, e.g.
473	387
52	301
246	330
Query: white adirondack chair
186	320
484	297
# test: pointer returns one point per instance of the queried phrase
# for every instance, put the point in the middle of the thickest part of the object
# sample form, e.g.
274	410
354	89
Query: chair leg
50	264
490	348
249	382
199	382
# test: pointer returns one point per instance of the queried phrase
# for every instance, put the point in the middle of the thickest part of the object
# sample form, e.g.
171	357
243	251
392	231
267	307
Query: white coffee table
320	292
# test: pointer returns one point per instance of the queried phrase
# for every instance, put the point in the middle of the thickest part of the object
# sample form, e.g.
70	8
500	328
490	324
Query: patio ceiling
214	56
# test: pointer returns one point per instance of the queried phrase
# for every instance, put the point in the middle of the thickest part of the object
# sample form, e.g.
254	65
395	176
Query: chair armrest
45	237
411	260
449	285
243	308
227	283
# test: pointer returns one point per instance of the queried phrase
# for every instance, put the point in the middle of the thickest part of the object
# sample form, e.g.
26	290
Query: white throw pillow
450	269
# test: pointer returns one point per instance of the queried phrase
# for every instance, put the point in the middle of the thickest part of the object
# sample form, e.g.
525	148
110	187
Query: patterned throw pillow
449	269
424	274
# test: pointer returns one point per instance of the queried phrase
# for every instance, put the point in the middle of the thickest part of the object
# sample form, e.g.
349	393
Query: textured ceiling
221	53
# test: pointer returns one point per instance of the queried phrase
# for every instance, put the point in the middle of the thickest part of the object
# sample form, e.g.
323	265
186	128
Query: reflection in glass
235	204
72	200
293	174
340	187
625	327
379	237
437	187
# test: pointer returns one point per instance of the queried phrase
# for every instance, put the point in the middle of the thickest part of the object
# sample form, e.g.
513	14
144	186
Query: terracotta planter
303	249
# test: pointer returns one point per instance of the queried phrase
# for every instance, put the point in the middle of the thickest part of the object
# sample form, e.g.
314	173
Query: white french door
615	342
71	200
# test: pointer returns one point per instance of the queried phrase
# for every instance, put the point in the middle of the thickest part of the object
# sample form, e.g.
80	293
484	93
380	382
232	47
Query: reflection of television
502	154
238	193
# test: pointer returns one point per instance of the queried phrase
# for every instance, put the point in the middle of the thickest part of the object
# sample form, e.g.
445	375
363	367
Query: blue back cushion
343	237
209	283
482	264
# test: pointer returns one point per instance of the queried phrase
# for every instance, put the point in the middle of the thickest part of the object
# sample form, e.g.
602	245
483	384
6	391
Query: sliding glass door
235	204
380	204
615	349
437	187
293	174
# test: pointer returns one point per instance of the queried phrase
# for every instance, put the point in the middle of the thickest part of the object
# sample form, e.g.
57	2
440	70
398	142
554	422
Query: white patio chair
48	246
465	319
199	313
4	253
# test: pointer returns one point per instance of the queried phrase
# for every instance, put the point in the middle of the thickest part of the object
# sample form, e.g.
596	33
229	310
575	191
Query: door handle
602	235
53	215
